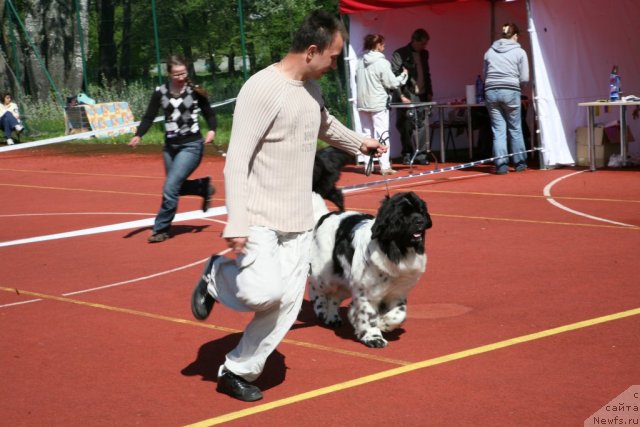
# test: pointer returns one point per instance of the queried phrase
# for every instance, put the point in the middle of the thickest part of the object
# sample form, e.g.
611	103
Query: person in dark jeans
506	68
183	142
415	58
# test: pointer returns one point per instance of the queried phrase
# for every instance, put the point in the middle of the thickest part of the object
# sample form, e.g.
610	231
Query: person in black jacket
415	58
183	148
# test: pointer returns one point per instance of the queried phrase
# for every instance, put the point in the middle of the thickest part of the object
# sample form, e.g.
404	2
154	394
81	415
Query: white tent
572	46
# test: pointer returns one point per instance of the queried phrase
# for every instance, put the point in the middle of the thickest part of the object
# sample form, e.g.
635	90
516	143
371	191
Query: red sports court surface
528	313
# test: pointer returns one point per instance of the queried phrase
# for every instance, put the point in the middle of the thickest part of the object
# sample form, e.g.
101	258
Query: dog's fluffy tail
326	172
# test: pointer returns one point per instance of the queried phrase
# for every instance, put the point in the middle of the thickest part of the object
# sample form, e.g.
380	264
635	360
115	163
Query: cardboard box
603	152
582	135
602	135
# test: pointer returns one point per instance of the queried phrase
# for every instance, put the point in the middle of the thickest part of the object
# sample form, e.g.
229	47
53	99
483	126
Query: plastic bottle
479	90
614	85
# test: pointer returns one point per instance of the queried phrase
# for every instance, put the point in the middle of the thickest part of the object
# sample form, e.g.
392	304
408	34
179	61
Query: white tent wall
576	44
579	42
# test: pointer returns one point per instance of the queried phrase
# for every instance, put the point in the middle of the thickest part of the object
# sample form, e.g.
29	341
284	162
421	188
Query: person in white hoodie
374	80
506	67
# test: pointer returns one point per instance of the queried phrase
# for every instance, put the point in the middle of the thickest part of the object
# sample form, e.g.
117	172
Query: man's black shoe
207	192
406	159
201	300
237	387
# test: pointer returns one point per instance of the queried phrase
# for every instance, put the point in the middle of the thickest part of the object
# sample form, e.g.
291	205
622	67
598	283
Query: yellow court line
49	172
405	368
87	190
200	324
412	367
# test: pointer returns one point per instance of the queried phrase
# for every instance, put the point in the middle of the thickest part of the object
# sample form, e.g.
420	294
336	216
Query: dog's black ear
427	217
422	207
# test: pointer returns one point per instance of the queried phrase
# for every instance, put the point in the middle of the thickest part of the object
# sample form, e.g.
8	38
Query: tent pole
492	29
536	121
347	75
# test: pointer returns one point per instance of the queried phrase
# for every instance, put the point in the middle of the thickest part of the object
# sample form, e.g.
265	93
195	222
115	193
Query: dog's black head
400	225
326	172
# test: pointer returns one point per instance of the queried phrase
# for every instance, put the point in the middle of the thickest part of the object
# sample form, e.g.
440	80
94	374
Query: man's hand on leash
236	244
372	147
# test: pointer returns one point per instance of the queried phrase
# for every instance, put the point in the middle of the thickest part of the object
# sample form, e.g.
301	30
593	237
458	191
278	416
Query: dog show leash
385	181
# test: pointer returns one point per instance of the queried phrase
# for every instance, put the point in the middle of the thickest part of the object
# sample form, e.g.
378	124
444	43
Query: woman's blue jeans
180	160
8	122
504	107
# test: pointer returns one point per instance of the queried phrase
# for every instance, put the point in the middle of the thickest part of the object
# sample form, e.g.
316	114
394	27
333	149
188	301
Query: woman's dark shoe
237	387
158	237
207	194
502	170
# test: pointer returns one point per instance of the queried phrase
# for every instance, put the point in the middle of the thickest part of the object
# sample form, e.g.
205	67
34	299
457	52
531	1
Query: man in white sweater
279	116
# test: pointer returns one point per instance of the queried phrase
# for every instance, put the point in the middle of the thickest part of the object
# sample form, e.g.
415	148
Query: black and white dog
375	261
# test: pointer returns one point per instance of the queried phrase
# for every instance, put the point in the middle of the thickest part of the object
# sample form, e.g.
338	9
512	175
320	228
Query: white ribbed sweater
269	165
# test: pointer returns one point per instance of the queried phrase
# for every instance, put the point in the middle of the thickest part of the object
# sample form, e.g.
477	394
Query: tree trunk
36	82
48	52
106	42
76	66
231	70
251	54
125	48
186	45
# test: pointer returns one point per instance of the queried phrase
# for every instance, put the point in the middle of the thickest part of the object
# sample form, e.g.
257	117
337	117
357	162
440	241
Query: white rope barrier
432	172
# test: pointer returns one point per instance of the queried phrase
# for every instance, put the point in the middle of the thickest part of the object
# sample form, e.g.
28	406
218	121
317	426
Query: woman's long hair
175	60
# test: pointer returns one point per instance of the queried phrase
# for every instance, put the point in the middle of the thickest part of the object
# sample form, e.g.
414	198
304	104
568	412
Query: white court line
219	211
550	199
125	282
114	227
212	212
113	285
74	214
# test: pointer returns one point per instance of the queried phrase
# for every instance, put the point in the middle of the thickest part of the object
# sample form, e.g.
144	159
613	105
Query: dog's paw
374	341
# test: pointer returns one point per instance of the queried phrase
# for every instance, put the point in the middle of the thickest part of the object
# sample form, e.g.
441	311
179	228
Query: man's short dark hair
318	28
420	35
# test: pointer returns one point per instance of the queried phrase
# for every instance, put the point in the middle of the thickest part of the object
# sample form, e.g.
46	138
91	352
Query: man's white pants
268	279
375	125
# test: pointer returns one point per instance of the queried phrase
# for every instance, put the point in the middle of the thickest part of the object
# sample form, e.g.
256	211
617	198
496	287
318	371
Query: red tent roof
353	6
